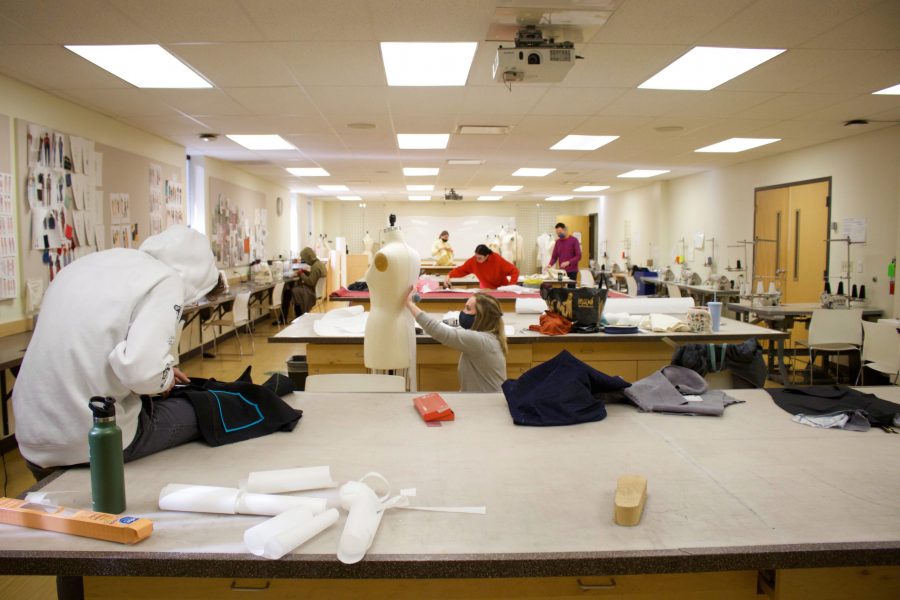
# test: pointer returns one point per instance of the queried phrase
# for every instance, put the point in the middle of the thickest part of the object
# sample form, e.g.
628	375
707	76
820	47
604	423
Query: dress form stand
389	342
367	247
544	250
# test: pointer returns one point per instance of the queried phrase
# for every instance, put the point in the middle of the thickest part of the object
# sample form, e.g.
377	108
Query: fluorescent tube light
482	129
489	198
349	197
464	161
558	198
419	188
506	188
532	172
308	171
737	144
427	63
142	65
334	188
704	68
261	142
422	141
419	198
637	173
591	188
894	90
420	171
583	142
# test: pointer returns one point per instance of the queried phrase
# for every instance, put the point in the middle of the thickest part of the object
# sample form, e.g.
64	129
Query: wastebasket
298	369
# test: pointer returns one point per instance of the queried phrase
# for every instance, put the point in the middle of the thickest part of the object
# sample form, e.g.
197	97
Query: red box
433	407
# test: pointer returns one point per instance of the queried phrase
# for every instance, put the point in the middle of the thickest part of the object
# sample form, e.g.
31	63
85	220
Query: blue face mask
466	320
561	235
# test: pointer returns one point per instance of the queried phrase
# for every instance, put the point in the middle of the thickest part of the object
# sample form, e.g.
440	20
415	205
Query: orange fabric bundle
552	323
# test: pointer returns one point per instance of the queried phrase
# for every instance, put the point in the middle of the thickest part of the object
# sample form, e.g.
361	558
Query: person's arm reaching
554	255
454	337
463	269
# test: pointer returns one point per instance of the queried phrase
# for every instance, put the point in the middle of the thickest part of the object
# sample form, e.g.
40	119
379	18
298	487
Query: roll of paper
279	535
289	480
530	306
362	521
644	306
272	504
199	498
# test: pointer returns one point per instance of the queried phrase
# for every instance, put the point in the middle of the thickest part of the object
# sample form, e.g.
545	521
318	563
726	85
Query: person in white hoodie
106	326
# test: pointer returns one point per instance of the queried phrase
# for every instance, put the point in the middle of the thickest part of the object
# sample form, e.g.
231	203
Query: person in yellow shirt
441	250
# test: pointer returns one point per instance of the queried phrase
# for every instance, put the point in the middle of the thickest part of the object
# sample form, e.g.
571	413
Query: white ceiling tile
720	104
283	125
13	33
875	73
425	100
170	126
795	69
789	106
349	99
285	20
423	123
405	21
496	99
874	29
199	102
172	21
236	65
666	21
621	65
861	107
121	102
649	103
575	101
548	125
781	24
54	67
333	63
273	100
82	22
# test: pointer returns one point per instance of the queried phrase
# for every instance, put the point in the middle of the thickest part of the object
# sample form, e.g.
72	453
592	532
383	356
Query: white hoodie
105	329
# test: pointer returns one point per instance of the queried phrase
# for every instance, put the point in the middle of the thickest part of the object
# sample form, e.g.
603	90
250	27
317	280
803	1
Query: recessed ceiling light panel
642	173
737	144
261	142
427	63
705	68
591	188
349	197
308	171
419	188
334	188
142	65
583	142
532	172
894	90
422	141
420	171
558	198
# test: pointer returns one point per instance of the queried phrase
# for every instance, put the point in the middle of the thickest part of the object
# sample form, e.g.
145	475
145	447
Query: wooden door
579	226
808	250
768	231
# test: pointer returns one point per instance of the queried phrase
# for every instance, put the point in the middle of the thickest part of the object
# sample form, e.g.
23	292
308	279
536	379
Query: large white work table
727	497
631	356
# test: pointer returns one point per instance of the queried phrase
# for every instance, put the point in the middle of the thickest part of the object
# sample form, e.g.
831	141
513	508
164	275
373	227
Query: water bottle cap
103	408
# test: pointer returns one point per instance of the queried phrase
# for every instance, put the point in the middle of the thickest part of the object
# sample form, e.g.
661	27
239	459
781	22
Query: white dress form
511	247
389	329
544	250
367	247
493	242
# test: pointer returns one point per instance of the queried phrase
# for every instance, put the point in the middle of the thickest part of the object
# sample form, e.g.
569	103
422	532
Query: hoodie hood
308	255
188	253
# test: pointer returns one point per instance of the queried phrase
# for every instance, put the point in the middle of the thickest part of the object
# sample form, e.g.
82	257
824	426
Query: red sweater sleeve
463	269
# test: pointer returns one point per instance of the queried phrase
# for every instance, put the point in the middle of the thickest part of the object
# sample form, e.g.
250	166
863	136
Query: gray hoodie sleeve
454	337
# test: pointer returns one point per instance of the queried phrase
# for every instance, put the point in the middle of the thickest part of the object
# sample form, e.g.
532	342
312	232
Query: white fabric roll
289	480
272	504
643	306
199	498
530	306
279	535
362	522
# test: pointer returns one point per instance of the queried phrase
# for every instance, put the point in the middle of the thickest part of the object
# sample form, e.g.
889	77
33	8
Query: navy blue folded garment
559	392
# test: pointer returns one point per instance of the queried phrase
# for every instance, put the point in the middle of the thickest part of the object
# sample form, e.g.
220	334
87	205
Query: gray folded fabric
656	393
686	381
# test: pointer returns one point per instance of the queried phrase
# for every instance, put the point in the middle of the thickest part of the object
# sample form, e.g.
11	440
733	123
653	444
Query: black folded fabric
229	412
560	391
830	399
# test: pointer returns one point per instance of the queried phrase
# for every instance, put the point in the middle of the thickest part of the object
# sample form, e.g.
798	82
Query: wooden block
631	494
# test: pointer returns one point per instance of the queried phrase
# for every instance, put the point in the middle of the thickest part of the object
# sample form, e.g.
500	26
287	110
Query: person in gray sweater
479	338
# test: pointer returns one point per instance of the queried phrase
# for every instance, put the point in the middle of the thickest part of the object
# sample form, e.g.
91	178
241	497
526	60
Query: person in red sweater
491	269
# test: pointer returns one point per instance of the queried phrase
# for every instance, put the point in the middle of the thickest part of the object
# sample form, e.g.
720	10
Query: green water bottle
107	463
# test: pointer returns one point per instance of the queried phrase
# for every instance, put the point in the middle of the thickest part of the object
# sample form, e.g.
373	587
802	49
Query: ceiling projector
534	59
452	195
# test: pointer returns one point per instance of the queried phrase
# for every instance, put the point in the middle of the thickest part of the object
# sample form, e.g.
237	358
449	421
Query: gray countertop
301	331
749	490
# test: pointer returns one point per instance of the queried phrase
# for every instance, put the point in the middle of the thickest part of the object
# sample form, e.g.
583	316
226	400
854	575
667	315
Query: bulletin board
79	197
237	218
466	232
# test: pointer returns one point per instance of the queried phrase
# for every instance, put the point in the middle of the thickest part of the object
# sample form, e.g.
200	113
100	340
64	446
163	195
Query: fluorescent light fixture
489	198
532	172
894	90
705	67
591	188
142	65
638	173
506	188
308	171
334	188
349	197
416	198
261	142
558	198
420	171
419	188
422	141
583	142
737	144
464	161
482	129
427	63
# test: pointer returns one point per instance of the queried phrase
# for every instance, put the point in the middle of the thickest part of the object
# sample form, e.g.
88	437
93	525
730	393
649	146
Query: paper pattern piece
282	534
290	480
8	246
